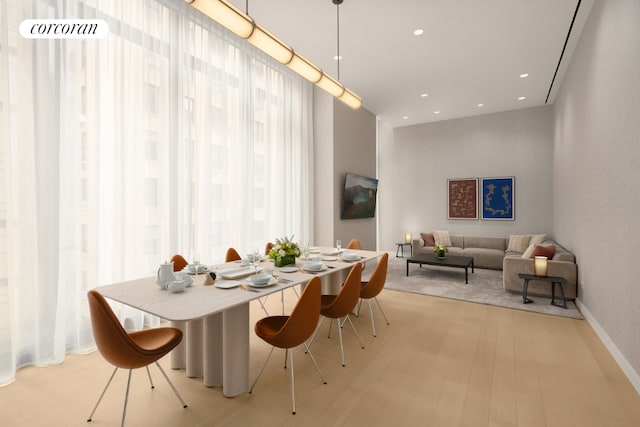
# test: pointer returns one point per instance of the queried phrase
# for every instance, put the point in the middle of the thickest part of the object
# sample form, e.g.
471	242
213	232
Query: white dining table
215	321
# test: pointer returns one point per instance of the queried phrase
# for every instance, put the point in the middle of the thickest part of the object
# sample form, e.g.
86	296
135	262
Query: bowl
314	266
350	256
184	276
260	279
177	285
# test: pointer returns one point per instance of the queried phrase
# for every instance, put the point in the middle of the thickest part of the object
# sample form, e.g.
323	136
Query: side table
560	281
400	247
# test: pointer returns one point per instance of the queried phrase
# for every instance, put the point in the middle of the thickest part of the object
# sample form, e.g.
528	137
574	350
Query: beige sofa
491	253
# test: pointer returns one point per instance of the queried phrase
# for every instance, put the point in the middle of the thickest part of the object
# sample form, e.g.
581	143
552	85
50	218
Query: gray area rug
485	287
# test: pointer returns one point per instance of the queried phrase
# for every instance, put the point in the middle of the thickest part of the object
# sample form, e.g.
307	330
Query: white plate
329	258
271	281
332	251
235	273
226	284
324	267
288	269
314	250
358	258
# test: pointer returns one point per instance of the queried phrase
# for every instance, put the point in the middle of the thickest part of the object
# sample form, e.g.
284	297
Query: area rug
485	287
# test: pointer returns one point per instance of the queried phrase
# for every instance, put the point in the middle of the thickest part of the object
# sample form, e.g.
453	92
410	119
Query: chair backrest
348	296
232	255
354	244
303	319
267	248
376	282
178	262
113	342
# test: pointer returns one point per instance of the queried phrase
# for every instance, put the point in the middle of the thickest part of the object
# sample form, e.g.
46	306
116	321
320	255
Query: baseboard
628	370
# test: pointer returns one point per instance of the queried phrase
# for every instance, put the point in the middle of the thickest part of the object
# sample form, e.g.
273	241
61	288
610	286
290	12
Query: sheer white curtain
168	135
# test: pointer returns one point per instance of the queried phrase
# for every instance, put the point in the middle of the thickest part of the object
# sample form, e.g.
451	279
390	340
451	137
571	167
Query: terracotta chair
290	331
354	244
128	350
232	255
179	262
267	248
340	306
373	287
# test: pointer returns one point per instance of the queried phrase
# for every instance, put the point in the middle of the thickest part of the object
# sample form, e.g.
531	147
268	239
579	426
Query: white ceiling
471	52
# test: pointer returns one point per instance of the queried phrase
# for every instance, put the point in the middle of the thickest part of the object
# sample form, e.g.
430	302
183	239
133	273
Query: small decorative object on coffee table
440	251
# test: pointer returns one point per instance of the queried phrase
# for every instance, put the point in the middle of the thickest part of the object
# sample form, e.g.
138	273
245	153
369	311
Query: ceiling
471	52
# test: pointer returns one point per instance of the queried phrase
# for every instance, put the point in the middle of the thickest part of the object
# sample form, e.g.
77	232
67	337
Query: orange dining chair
354	244
290	331
232	255
267	248
128	350
178	262
373	287
340	306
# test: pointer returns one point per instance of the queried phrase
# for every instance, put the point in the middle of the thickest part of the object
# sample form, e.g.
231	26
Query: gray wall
345	142
416	161
597	186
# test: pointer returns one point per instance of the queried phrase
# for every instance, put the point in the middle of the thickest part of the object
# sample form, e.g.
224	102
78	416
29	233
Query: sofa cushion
485	242
429	239
442	238
546	251
518	242
537	239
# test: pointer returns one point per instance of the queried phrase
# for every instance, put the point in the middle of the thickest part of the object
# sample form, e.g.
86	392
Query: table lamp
540	266
407	237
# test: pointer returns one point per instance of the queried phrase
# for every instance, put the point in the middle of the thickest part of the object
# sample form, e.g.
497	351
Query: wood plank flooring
440	363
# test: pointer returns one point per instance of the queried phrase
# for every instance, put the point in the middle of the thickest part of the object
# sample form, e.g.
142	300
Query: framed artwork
462	198
498	198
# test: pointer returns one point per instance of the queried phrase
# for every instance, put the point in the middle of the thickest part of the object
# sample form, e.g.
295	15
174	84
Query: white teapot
165	275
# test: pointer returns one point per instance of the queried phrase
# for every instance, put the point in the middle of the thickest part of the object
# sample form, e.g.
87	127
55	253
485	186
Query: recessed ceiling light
480	105
337	57
522	98
436	112
418	32
424	95
405	117
522	76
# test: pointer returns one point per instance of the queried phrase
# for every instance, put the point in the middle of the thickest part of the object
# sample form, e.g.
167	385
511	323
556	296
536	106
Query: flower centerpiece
440	251
284	251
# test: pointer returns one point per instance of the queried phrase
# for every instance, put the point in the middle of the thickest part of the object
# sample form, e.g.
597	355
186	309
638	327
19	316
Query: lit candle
540	266
407	237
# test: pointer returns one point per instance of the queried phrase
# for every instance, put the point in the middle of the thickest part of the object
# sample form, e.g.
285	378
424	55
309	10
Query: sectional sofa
496	253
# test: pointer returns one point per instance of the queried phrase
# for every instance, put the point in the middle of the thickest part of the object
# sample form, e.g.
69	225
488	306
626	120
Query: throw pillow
529	251
442	238
518	242
537	239
428	239
547	251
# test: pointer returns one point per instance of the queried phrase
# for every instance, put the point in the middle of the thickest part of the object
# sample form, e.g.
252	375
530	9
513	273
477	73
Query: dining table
214	318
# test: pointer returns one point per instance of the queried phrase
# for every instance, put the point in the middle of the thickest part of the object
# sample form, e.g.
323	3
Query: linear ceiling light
244	26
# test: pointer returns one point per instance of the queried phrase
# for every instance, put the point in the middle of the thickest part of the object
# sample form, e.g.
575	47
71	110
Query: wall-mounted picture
498	198
359	197
462	198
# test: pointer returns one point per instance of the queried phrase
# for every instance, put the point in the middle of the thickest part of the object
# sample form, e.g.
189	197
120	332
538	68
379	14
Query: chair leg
341	346
313	337
184	405
355	331
313	359
373	322
359	305
293	387
126	399
380	307
149	375
286	353
102	395
261	369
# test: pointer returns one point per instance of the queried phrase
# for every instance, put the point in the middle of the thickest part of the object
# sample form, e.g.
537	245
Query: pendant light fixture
244	26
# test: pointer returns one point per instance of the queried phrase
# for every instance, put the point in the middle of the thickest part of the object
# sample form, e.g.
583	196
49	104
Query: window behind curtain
167	135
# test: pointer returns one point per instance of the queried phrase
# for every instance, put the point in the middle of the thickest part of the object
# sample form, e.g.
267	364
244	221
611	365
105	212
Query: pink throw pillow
547	251
428	238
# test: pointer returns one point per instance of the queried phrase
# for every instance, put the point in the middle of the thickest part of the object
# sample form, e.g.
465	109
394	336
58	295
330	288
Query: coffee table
449	261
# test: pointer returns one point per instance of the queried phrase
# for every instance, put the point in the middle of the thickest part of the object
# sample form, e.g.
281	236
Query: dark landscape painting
359	198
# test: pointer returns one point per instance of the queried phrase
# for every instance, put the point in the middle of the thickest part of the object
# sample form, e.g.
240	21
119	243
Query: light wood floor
439	363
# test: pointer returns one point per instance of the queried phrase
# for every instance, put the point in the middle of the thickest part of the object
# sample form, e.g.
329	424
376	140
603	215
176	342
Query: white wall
597	178
416	161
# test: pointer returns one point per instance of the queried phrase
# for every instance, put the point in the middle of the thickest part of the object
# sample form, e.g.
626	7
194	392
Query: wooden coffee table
449	261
